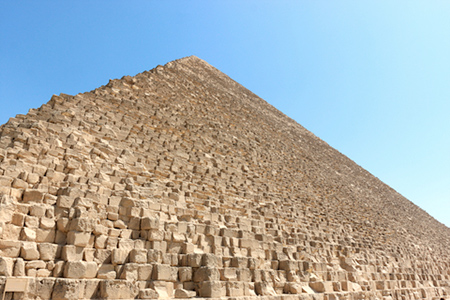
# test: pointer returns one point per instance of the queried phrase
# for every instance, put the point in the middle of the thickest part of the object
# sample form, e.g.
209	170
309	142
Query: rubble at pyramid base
180	183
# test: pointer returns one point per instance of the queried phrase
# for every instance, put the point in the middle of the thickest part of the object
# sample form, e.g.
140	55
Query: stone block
10	248
45	235
184	294
212	289
148	223
130	272
29	251
80	269
165	273
80	239
185	274
36	196
72	253
235	289
138	256
6	266
68	289
119	256
322	286
163	288
206	274
28	234
263	288
145	272
106	271
148	294
118	289
48	251
211	260
19	267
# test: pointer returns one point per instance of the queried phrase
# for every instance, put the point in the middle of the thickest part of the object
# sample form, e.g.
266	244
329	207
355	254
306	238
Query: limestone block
6	266
228	274
10	248
91	289
40	288
148	223
83	224
244	275
19	267
63	224
165	273
235	289
37	210
28	234
185	274
212	289
45	235
72	253
148	294
195	260
138	256
145	272
322	286
80	239
100	242
163	288
29	251
65	201
206	274
80	269
47	223
263	288
119	256
48	251
106	271
155	235
31	195
130	272
58	269
118	289
239	262
184	294
211	260
68	289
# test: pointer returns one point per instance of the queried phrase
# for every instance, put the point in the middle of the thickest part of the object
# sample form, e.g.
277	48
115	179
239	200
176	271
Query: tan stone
80	269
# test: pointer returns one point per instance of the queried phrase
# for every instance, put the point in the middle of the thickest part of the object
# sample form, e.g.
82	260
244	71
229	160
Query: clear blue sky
371	78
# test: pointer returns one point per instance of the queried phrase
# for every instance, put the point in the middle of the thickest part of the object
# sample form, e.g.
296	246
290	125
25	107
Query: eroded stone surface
180	183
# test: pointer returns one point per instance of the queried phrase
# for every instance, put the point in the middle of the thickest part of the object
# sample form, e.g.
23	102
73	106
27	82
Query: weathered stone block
206	274
119	256
29	251
212	289
138	256
185	274
165	273
118	289
48	251
80	239
145	272
68	289
6	266
130	272
80	269
10	248
184	294
106	271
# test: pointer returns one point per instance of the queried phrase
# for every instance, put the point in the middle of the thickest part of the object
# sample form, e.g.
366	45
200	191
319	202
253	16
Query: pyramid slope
179	182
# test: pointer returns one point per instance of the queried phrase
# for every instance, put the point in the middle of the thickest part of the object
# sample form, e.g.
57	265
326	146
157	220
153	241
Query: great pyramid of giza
180	183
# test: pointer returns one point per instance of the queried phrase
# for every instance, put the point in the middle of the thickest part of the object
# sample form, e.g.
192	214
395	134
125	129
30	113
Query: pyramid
180	183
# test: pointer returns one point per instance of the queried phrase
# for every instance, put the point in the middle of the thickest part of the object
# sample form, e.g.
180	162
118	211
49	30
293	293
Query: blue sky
368	77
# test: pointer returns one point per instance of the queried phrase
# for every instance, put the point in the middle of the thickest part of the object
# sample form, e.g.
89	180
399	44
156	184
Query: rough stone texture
180	183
